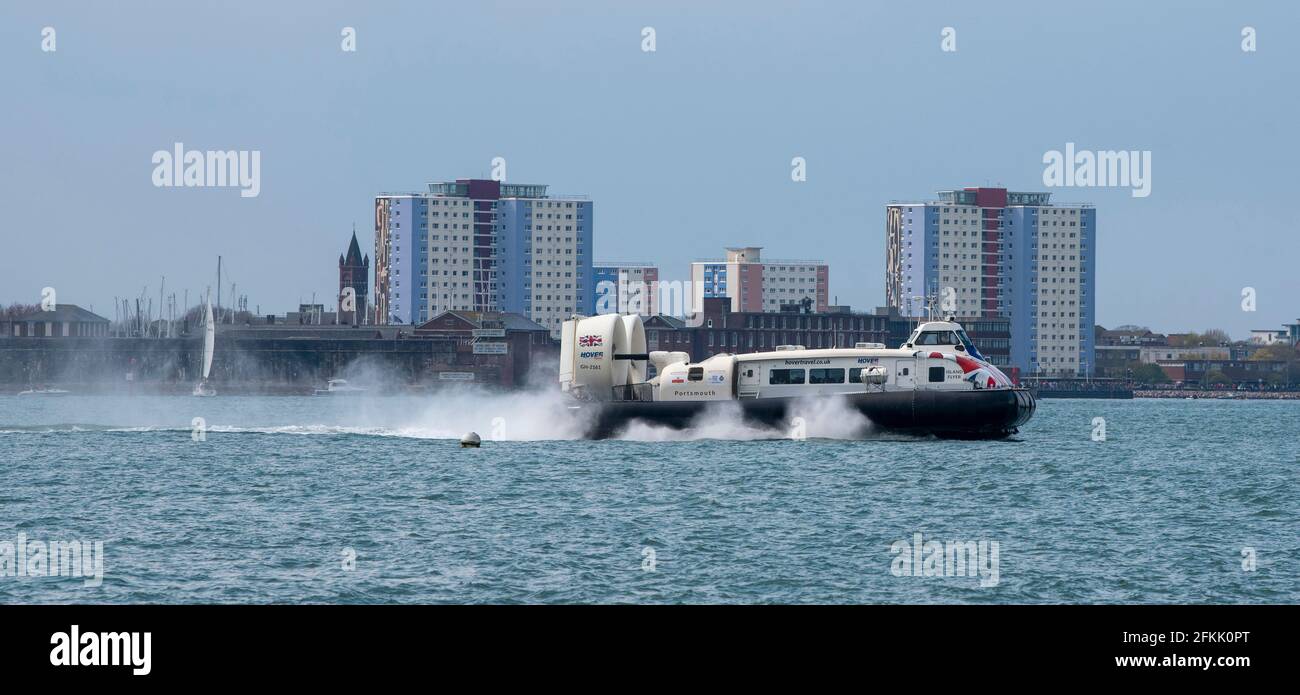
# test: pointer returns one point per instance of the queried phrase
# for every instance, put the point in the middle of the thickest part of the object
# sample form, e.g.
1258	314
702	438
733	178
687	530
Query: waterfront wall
257	364
1221	394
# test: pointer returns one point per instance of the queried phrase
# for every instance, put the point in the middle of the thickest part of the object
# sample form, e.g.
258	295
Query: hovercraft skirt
977	414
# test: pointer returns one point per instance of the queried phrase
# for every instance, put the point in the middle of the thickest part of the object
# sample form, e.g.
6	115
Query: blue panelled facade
715	280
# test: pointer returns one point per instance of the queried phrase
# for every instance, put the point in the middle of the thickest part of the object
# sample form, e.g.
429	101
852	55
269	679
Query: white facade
1060	324
552	271
753	284
449	229
1268	337
960	259
1158	353
789	282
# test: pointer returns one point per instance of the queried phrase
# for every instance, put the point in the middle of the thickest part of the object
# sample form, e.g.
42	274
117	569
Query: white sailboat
43	391
203	388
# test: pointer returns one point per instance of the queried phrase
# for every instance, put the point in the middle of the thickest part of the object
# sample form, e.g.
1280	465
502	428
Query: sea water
371	499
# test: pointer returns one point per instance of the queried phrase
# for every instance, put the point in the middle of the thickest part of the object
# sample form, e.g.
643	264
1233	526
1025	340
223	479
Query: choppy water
268	506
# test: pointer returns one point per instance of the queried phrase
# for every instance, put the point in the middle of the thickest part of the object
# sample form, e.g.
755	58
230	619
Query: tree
18	310
1216	377
1274	352
1148	373
1211	337
1216	336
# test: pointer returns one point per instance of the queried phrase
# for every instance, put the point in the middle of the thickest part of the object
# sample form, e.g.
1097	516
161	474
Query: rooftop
766	261
993	196
484	189
61	313
490	319
623	264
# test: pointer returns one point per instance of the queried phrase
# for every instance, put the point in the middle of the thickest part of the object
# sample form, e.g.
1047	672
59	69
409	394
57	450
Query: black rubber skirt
979	414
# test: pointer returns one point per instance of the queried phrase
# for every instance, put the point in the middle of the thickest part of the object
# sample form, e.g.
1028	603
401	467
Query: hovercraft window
936	374
936	338
826	376
785	376
695	374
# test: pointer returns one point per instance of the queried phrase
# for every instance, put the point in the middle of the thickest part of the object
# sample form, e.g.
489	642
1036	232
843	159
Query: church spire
354	249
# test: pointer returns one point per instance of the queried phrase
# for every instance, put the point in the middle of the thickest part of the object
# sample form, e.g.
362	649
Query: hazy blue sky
685	150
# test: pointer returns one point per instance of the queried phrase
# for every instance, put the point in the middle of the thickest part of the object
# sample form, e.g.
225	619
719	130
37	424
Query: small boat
338	387
937	383
203	388
42	391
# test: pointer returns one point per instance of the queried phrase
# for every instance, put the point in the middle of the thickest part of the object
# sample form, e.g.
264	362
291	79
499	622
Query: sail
209	341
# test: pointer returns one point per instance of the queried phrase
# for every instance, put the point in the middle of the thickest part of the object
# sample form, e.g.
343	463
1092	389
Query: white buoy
470	441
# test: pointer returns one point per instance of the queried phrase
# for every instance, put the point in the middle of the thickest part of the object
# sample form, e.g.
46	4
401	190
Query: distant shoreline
1222	394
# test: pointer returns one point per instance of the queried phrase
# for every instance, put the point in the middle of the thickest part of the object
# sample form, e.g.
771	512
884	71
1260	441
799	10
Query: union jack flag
591	341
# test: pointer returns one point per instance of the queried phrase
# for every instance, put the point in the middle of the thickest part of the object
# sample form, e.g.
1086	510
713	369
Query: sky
684	150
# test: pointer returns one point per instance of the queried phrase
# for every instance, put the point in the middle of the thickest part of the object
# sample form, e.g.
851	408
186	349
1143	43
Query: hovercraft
937	383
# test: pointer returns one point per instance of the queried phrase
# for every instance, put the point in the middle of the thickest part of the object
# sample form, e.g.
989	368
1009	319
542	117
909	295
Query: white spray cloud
827	418
530	415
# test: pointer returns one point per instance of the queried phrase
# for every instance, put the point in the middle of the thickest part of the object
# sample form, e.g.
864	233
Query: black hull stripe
978	414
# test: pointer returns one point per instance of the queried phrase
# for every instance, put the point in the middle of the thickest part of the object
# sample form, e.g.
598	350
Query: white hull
339	387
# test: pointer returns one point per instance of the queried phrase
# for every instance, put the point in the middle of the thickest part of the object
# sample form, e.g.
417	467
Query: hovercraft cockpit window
968	344
936	338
